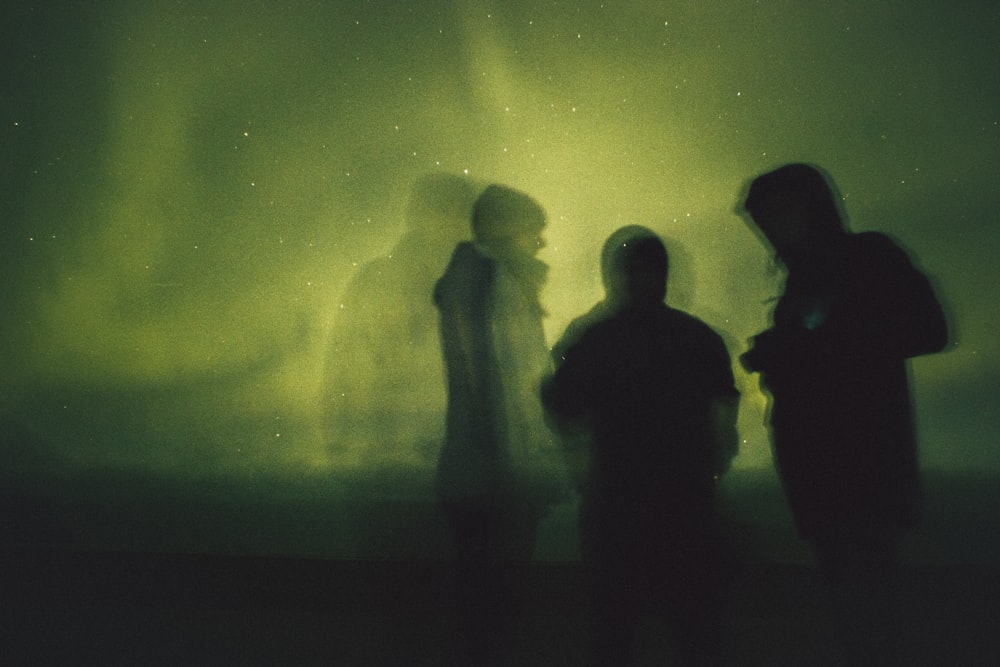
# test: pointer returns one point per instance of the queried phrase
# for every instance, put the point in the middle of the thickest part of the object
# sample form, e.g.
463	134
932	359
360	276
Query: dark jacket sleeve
564	395
911	321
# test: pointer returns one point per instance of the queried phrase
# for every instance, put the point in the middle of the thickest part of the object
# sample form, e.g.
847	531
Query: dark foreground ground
70	607
133	570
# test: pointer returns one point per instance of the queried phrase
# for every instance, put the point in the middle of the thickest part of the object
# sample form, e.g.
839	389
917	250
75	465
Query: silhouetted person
652	388
492	475
854	309
384	394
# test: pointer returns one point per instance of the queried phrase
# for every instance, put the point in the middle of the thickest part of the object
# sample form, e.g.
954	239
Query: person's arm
566	413
464	296
897	312
918	324
724	408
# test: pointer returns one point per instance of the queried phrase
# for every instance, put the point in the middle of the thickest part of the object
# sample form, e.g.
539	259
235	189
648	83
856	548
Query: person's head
634	266
795	209
503	216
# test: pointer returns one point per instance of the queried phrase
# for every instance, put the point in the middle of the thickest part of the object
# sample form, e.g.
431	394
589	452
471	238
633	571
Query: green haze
187	189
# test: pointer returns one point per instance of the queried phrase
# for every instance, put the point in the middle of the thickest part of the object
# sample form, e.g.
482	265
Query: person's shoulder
571	336
880	257
468	270
693	333
877	246
594	330
872	240
584	323
687	321
372	271
659	320
466	253
594	323
468	260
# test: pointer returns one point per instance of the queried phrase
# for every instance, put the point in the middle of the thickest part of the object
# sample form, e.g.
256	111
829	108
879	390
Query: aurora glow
188	187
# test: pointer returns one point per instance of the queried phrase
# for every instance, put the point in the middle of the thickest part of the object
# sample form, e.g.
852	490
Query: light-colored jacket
497	445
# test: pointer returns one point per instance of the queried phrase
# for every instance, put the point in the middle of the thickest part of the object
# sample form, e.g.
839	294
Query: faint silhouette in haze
384	394
497	472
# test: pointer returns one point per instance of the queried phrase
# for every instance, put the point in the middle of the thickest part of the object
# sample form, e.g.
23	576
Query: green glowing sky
187	188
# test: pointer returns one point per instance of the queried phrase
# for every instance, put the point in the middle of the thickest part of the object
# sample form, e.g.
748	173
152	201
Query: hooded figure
854	309
495	478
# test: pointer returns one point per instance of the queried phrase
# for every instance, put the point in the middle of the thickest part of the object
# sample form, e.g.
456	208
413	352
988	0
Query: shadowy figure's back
384	398
853	311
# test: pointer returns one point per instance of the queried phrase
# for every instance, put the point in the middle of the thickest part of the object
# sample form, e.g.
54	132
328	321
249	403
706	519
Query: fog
192	193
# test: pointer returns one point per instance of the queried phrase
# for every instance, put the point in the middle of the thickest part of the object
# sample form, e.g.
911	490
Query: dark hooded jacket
835	365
